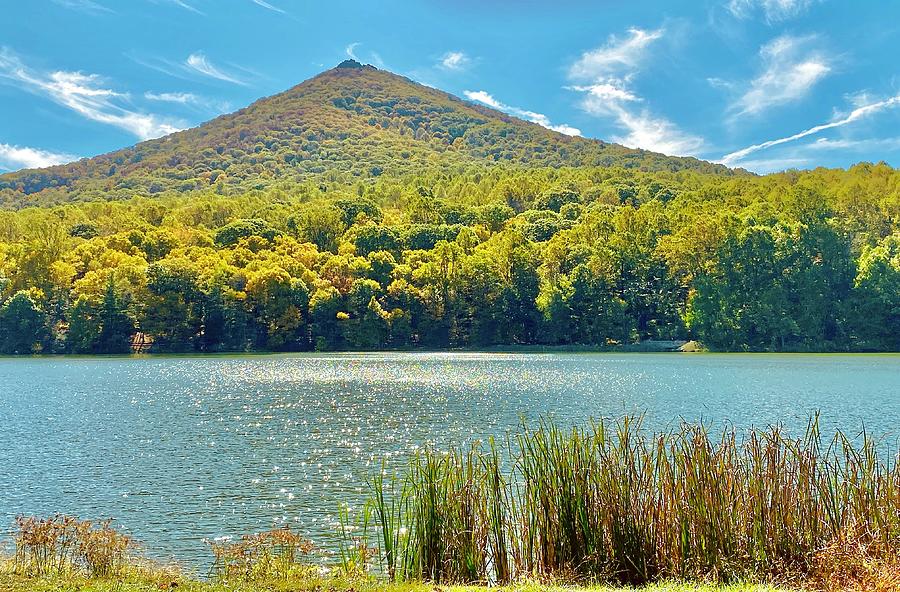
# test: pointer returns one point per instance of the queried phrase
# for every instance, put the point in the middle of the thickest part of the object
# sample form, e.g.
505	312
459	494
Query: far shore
657	348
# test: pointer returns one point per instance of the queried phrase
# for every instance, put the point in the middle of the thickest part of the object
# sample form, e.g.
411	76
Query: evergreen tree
23	326
116	327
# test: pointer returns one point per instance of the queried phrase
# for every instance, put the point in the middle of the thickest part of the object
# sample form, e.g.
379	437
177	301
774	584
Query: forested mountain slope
351	119
362	211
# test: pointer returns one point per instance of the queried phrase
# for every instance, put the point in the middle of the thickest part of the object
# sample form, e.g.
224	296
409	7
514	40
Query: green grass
138	583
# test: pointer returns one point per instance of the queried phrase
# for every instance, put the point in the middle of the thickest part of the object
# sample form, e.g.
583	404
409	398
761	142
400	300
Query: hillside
362	211
354	119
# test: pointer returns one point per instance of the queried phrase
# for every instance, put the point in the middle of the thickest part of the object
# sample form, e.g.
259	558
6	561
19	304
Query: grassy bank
148	582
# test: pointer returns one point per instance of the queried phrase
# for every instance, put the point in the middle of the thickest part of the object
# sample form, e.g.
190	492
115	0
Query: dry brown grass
854	566
61	544
272	554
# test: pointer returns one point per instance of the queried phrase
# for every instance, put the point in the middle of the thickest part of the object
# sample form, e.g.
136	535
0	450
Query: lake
182	449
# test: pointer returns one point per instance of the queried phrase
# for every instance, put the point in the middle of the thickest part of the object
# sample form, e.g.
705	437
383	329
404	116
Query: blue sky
762	84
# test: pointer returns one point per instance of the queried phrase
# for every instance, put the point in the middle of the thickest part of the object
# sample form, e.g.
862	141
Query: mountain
353	119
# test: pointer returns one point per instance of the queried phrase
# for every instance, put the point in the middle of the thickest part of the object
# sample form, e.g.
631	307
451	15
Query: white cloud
858	113
787	76
192	100
268	6
720	83
644	130
605	92
373	57
88	6
657	135
376	59
614	57
455	60
168	97
773	10
486	98
544	121
84	94
198	62
18	157
609	71
181	4
861	145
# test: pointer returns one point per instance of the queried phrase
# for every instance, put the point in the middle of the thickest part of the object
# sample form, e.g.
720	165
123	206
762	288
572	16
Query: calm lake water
181	449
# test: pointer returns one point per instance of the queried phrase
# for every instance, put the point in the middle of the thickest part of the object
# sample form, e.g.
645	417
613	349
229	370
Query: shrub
272	554
62	544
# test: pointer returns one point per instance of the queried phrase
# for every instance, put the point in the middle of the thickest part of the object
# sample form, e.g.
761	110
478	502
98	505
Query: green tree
743	304
367	326
231	233
876	297
173	314
84	328
279	303
23	326
326	315
321	225
116	326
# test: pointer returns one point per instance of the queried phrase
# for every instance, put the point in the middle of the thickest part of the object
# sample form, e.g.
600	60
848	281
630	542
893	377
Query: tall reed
611	502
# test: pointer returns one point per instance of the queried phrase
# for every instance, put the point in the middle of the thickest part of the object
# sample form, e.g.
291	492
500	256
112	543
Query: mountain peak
353	65
355	120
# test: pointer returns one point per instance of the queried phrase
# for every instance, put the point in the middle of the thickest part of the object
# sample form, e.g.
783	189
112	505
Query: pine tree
116	327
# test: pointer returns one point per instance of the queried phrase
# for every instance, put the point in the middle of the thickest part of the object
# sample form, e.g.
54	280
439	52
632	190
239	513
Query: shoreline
148	580
535	350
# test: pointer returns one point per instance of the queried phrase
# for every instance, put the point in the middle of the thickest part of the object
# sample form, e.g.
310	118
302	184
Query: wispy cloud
857	114
455	61
182	4
88	6
604	92
168	97
486	98
721	83
606	75
774	11
855	145
787	76
159	64
198	62
85	95
373	57
644	130
350	50
268	6
617	56
13	158
189	100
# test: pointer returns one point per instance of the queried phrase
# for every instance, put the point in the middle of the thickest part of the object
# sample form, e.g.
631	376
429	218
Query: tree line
477	257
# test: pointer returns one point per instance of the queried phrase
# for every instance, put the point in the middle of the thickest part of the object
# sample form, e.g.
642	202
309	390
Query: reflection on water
181	449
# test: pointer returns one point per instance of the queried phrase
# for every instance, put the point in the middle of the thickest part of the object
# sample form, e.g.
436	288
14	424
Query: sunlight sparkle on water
181	449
